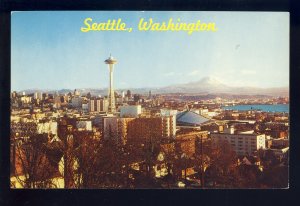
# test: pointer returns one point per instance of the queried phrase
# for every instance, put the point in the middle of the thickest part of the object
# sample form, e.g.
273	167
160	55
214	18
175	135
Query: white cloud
169	74
123	83
192	73
248	72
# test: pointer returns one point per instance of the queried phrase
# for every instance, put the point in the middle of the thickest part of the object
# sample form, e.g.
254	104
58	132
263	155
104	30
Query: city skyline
49	51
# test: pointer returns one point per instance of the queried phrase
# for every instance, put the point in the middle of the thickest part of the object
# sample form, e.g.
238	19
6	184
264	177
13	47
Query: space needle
111	93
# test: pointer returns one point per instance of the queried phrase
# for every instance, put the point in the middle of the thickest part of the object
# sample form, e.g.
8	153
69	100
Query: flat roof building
241	143
143	128
130	110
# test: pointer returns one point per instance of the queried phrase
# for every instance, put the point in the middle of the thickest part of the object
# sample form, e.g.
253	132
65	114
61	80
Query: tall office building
98	105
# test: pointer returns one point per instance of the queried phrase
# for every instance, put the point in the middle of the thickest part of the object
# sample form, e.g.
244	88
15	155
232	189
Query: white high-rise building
38	95
171	114
130	111
243	143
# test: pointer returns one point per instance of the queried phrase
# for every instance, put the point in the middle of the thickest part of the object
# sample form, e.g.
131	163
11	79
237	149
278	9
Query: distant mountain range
207	85
210	85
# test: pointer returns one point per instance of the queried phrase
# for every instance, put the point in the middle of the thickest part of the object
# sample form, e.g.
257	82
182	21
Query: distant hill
207	85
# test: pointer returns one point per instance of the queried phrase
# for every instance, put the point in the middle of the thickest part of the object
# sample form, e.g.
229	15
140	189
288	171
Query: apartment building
243	143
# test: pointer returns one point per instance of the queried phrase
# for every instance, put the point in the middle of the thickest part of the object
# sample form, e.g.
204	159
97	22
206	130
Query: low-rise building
76	102
84	125
47	127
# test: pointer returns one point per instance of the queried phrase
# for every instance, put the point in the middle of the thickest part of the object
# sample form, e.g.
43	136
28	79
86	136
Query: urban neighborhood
127	139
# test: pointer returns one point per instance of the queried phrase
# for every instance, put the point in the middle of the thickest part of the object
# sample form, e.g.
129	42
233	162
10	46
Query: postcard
149	100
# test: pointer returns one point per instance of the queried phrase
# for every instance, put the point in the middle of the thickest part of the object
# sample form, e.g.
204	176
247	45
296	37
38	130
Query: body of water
262	107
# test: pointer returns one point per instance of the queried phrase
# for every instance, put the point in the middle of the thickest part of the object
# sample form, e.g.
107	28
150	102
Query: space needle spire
111	93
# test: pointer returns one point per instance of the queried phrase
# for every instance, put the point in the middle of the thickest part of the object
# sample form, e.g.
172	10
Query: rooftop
190	118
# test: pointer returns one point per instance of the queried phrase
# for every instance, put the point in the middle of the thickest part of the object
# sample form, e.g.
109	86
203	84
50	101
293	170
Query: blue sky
48	50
